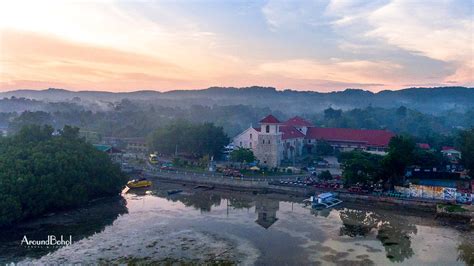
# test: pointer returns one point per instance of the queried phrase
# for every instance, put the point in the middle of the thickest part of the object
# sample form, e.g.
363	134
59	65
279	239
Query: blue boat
323	200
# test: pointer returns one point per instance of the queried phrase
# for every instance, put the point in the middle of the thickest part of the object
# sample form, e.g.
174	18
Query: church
274	141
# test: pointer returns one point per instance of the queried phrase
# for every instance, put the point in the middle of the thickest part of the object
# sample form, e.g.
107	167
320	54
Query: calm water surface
229	227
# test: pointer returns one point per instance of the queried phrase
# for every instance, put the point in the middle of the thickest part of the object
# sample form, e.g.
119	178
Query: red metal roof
425	146
298	122
290	132
270	119
447	148
368	137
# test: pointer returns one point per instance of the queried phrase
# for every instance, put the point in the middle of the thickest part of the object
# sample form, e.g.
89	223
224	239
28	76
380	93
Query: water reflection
393	232
79	223
266	210
466	251
268	229
357	222
203	201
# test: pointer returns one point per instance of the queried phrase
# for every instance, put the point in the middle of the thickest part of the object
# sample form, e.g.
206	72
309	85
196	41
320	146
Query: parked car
167	168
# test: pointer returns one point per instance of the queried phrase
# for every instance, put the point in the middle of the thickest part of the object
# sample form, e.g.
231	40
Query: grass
452	208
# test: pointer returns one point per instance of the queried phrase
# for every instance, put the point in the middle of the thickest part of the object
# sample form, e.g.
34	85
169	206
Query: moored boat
139	183
174	191
323	200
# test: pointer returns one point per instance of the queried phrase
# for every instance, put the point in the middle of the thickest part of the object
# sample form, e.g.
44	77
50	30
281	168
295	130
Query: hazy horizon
201	89
124	46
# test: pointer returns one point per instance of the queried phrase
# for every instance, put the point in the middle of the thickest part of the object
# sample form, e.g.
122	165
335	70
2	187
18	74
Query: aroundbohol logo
50	241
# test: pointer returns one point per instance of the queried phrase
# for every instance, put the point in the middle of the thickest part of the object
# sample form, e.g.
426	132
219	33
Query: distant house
113	152
433	177
274	141
133	145
136	145
424	146
451	153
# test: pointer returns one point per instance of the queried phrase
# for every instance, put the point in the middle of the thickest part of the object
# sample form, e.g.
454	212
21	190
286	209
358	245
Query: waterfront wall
262	186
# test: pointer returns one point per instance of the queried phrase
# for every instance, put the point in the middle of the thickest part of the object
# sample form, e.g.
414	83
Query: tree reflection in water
200	201
323	213
357	222
466	252
393	232
79	223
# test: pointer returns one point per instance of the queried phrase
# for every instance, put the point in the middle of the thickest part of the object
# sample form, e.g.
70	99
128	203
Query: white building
274	141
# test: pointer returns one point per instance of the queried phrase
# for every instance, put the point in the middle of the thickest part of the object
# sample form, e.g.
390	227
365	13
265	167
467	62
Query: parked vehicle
167	168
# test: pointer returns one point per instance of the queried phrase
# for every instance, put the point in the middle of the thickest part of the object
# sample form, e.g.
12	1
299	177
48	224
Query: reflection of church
266	212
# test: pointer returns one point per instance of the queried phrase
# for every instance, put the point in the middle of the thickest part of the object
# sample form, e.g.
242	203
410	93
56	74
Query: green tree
193	139
360	167
467	149
42	172
400	155
323	148
325	175
242	155
427	159
331	113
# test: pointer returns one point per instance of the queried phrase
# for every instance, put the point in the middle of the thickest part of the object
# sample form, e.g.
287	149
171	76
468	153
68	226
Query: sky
323	45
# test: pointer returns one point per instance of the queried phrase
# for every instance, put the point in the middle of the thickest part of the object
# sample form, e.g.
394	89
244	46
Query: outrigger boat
323	200
139	183
174	191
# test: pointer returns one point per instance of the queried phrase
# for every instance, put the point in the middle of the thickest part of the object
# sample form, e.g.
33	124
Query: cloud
437	30
337	70
59	61
292	14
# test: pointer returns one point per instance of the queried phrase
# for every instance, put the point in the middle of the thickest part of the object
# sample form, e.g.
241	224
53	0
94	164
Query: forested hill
430	100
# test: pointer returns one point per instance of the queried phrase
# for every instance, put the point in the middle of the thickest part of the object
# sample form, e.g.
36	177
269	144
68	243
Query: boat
139	183
174	191
323	200
204	187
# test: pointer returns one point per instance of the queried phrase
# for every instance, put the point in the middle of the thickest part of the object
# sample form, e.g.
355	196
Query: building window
250	144
267	128
268	141
241	144
250	135
263	141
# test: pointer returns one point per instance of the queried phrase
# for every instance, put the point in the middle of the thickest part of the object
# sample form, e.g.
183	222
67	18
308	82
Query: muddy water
198	226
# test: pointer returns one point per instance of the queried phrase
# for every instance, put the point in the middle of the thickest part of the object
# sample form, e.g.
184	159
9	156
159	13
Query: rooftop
270	119
298	122
368	137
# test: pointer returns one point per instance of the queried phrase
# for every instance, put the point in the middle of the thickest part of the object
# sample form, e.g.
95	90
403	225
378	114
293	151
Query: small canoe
174	191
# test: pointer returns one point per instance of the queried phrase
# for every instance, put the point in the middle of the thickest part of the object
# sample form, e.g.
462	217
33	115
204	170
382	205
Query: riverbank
263	186
220	226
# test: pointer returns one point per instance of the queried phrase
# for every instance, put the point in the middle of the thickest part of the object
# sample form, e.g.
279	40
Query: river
198	226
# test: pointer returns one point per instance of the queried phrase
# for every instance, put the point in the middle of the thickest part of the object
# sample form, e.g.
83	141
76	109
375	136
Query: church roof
290	132
270	119
368	137
298	122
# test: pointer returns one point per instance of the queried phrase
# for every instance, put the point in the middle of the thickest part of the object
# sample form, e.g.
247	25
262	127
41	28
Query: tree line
363	167
184	137
42	172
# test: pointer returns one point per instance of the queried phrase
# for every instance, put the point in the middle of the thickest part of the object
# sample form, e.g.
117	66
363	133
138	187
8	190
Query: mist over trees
139	114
